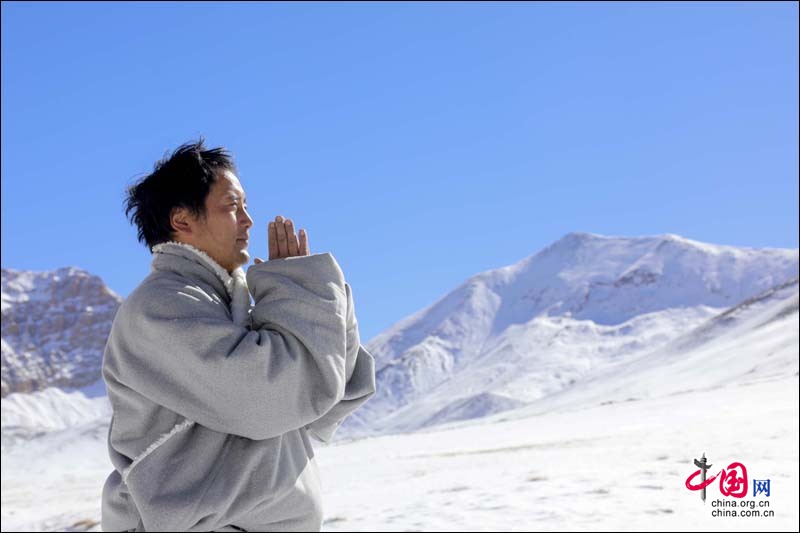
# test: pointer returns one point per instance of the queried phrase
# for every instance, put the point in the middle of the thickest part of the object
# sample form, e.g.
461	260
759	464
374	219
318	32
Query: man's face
227	222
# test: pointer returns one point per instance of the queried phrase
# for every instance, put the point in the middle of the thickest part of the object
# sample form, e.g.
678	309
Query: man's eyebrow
234	195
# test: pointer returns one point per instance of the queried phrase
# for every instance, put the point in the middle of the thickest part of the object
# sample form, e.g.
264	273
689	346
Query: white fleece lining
186	424
235	283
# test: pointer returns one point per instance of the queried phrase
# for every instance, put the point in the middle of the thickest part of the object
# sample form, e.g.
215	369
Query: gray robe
214	402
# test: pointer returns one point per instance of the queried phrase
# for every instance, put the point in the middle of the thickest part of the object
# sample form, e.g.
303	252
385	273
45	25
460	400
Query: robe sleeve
176	345
360	374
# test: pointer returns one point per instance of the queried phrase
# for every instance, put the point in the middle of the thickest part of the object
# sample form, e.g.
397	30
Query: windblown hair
183	179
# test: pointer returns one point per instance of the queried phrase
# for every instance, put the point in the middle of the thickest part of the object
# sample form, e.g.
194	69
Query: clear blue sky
420	143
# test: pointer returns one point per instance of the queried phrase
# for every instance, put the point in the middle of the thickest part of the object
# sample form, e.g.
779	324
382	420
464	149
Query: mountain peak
60	271
55	325
583	286
580	236
585	236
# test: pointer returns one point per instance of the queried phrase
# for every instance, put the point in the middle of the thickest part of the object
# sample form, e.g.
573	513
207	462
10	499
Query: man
214	400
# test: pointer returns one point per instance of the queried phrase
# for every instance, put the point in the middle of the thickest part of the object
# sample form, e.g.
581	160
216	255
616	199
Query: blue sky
420	143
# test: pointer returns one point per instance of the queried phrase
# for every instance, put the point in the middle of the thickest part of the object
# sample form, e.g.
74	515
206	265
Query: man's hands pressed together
282	240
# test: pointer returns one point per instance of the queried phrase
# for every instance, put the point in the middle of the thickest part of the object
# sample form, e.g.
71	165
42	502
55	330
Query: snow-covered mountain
512	335
755	341
54	328
501	340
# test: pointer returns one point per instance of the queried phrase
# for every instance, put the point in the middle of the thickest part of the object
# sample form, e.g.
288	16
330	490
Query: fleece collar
235	283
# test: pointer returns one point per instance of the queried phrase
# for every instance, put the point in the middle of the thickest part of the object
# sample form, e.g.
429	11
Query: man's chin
243	258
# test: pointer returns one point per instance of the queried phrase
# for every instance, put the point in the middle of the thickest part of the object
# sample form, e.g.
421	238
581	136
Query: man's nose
248	222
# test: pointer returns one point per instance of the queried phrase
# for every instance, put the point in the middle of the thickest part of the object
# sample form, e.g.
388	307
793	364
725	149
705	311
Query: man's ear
181	221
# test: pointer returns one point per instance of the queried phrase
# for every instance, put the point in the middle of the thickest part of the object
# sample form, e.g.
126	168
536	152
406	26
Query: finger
291	237
283	246
273	240
303	242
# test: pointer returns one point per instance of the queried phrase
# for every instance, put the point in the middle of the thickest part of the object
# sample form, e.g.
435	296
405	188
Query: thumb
257	260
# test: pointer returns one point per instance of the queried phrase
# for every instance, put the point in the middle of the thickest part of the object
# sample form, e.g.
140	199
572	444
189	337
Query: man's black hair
183	179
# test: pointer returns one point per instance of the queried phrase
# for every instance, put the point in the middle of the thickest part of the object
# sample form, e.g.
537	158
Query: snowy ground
618	466
614	467
611	455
